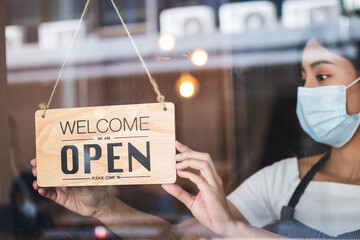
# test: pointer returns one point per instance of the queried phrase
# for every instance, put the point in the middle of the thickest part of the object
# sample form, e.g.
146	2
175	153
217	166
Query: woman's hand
209	206
86	201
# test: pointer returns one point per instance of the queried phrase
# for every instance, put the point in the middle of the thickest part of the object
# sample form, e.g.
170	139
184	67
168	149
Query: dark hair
334	38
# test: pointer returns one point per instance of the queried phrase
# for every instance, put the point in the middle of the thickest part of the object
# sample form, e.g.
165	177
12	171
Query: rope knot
161	98
42	106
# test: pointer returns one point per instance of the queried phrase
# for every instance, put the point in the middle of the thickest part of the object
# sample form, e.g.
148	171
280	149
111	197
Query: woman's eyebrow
314	64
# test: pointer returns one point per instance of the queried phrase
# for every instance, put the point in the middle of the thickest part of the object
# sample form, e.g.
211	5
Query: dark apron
292	228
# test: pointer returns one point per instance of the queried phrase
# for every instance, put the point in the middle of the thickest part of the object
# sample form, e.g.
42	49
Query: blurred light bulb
166	42
187	85
187	89
101	232
199	57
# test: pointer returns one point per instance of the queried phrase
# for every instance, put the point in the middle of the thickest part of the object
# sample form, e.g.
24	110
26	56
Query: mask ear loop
353	83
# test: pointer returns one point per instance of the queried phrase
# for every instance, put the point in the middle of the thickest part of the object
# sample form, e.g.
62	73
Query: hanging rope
43	106
160	97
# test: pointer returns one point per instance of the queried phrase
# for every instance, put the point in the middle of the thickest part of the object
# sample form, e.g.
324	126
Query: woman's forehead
314	52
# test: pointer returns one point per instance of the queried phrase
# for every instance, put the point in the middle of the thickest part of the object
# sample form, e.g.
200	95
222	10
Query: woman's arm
98	203
116	215
236	213
210	206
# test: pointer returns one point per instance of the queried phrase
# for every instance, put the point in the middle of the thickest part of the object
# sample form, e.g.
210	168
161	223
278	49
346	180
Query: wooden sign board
110	145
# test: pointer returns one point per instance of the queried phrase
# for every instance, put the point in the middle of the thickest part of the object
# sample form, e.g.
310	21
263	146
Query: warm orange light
187	89
187	85
166	42
199	57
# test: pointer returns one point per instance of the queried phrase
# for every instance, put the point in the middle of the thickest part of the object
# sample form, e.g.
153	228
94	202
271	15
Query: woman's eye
322	77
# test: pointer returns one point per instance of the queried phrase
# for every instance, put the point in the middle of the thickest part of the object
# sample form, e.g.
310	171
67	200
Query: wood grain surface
109	145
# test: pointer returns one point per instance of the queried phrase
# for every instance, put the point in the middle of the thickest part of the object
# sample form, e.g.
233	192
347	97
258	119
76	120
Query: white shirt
332	208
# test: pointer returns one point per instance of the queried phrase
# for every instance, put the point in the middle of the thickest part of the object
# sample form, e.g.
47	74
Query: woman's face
321	67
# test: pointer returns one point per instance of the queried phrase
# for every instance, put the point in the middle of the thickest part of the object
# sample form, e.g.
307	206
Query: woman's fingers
202	166
42	191
34	171
199	181
33	162
48	193
179	193
45	192
181	147
35	185
187	153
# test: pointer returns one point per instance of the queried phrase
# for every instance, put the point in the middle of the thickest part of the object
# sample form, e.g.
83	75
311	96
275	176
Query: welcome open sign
110	145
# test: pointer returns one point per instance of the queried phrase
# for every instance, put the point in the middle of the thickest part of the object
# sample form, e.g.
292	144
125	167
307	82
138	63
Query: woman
313	197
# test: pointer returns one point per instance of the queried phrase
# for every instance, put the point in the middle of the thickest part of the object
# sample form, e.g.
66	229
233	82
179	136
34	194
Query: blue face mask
322	114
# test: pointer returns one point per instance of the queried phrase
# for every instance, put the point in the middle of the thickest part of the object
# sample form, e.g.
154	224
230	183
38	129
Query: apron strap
300	189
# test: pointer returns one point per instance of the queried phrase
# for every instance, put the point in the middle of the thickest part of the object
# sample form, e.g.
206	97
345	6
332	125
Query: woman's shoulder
306	163
278	174
292	167
284	167
284	174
